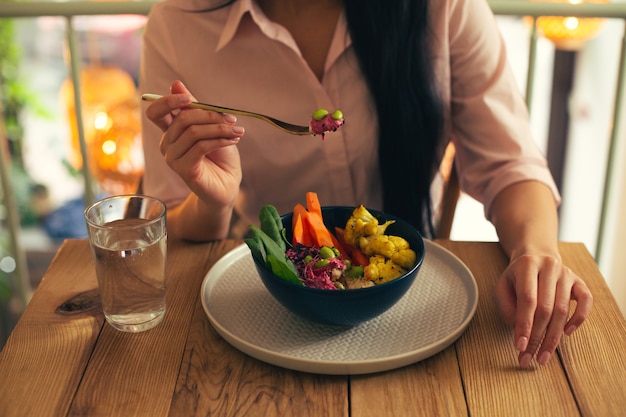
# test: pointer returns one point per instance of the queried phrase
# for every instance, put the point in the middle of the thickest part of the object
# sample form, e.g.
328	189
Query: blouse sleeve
490	123
157	73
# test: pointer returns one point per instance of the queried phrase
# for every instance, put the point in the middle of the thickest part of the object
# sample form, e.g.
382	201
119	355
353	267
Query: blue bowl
345	307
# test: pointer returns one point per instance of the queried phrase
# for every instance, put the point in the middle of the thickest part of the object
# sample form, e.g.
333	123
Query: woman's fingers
545	276
178	87
560	313
534	296
192	125
162	111
522	274
584	301
191	143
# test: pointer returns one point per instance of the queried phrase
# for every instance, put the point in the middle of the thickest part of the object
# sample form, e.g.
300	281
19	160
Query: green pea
337	115
322	263
308	259
319	114
327	253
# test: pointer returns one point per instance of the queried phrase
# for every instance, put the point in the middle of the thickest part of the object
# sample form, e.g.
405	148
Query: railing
71	9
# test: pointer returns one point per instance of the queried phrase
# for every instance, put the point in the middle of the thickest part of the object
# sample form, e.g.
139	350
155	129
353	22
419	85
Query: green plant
15	96
12	91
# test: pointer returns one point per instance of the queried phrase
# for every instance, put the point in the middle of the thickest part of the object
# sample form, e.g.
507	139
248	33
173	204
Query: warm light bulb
112	131
101	120
109	147
569	33
571	23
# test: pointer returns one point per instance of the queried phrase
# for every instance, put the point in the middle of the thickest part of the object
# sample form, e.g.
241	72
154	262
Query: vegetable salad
357	256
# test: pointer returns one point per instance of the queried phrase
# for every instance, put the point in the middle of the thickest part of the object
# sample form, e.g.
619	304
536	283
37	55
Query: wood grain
47	352
432	387
595	356
135	373
61	360
217	380
494	383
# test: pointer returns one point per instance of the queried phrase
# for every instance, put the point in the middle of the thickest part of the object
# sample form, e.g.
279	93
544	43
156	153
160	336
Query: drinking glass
128	239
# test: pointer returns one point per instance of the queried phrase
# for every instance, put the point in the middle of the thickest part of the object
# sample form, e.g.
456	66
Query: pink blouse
236	57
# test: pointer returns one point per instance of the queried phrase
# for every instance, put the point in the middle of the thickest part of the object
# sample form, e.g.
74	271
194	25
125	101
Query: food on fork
323	121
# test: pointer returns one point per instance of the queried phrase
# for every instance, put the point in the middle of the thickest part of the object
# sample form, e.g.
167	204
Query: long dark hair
391	40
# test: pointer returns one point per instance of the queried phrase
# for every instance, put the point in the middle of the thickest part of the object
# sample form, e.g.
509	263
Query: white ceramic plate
431	316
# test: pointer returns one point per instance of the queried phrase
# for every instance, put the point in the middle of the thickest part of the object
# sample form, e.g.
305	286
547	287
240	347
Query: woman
409	76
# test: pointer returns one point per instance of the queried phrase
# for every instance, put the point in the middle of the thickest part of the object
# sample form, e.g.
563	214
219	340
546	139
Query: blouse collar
244	13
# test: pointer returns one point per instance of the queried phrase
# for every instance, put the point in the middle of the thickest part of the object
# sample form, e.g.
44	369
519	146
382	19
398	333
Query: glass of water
128	241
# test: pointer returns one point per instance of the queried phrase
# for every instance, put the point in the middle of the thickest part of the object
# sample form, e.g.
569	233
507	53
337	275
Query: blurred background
572	108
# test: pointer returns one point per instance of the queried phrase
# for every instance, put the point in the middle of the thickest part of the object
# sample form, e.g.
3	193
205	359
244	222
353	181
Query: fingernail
229	118
238	130
543	358
525	359
521	344
571	329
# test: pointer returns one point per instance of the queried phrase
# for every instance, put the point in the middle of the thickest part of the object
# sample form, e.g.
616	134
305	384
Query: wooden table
63	360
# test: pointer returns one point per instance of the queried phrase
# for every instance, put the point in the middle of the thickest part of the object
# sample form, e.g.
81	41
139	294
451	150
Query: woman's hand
534	295
199	146
535	290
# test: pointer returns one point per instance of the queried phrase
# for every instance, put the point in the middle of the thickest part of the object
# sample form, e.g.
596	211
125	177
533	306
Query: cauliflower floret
363	223
381	270
406	258
391	247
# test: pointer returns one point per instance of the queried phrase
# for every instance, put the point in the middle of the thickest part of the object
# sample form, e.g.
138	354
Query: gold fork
284	126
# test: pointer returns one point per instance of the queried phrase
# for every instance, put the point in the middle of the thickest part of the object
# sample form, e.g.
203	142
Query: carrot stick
359	258
297	230
321	235
298	211
313	203
356	255
339	232
345	255
300	230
